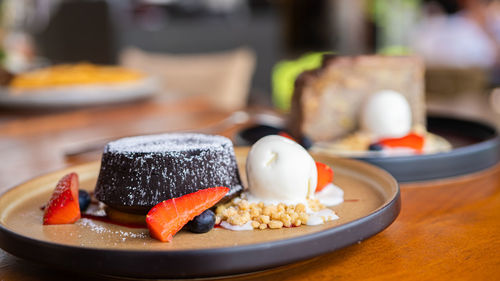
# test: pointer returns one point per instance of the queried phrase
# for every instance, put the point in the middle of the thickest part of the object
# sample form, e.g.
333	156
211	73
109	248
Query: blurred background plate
79	96
476	146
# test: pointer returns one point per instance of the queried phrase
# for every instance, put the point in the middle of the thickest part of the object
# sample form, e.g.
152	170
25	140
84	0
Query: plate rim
390	208
483	154
148	86
494	140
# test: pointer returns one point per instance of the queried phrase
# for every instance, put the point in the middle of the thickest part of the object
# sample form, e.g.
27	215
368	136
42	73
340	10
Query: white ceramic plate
75	96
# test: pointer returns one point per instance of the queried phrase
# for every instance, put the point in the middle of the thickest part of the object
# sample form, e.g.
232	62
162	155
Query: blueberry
203	222
83	199
375	147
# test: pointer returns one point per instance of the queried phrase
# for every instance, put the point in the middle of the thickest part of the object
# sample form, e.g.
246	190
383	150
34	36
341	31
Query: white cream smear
246	226
330	195
321	217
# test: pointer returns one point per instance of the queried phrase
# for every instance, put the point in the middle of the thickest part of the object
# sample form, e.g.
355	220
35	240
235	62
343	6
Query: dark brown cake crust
139	172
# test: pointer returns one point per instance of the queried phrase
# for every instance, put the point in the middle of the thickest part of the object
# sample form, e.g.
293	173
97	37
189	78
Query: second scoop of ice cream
280	170
387	114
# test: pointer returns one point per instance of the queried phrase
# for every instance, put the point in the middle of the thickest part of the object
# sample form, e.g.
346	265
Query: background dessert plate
372	203
475	147
77	96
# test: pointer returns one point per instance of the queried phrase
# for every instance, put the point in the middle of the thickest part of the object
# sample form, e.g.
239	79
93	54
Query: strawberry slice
411	140
63	206
168	217
325	176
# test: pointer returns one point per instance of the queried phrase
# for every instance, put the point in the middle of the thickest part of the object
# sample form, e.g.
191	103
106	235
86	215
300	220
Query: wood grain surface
447	229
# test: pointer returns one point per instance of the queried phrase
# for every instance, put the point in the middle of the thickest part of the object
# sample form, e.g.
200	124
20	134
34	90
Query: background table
448	229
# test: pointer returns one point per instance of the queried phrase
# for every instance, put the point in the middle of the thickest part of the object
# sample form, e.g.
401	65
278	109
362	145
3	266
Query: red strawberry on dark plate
63	206
286	135
325	176
166	218
411	140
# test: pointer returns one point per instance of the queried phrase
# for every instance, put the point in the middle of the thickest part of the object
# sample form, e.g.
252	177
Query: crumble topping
239	212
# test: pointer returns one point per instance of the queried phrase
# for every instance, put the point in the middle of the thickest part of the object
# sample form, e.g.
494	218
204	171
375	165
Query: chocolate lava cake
139	172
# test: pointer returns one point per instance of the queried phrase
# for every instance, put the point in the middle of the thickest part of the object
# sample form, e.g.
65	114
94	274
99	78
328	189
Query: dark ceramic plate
476	146
372	204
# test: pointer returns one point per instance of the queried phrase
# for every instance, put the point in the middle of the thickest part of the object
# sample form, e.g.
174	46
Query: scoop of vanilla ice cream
280	170
386	114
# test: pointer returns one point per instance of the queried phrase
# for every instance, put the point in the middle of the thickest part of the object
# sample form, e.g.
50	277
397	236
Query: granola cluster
240	211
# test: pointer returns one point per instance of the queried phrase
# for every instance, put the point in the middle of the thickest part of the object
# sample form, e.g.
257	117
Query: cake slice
327	101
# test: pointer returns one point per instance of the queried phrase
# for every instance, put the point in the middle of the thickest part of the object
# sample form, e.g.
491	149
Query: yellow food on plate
73	75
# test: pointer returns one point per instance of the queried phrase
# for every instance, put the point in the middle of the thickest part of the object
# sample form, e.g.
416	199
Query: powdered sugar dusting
162	143
121	234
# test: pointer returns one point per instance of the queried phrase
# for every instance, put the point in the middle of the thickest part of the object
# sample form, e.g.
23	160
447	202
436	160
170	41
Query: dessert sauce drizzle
106	219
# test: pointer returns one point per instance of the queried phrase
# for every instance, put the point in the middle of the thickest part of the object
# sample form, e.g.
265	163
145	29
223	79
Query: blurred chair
221	78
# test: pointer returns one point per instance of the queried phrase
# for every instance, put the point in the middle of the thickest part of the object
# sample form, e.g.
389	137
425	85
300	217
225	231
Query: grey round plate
476	146
372	204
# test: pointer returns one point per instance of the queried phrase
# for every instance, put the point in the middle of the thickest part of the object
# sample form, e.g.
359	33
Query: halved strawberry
168	217
63	206
411	140
325	176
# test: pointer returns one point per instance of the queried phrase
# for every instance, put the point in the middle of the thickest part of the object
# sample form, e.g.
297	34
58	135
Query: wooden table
447	229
